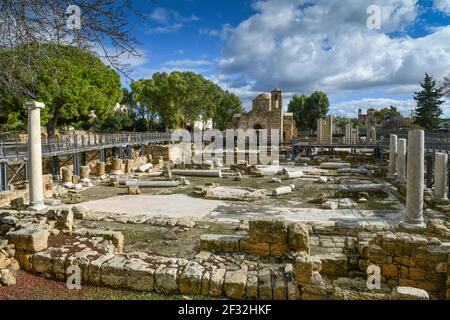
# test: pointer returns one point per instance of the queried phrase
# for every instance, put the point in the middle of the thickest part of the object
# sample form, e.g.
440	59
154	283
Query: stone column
116	167
329	130
373	135
84	173
413	215
401	161
66	175
100	169
393	156
348	133
440	177
35	155
319	131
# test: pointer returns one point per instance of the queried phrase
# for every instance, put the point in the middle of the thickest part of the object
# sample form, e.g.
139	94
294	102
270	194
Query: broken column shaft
440	177
393	151
401	161
413	216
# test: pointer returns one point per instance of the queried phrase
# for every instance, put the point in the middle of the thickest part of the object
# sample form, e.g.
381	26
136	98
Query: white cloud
327	46
442	5
168	20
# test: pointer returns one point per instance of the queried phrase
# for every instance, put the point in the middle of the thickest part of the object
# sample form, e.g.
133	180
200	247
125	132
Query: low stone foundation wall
269	237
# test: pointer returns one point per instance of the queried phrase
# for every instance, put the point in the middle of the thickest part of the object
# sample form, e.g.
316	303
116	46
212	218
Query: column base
37	206
412	226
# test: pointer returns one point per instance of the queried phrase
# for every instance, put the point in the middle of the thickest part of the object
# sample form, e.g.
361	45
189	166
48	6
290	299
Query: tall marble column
319	131
348	134
329	129
401	161
441	177
413	215
393	156
35	155
373	134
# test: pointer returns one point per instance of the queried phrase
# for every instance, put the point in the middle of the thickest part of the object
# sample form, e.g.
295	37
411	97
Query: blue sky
251	46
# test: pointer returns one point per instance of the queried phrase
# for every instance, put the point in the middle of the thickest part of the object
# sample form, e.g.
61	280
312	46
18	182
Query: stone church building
268	113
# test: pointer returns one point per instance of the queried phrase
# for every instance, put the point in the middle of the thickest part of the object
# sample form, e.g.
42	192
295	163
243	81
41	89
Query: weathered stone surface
268	230
264	285
216	283
191	278
223	243
134	190
303	268
116	237
31	239
43	262
205	283
298	237
408	293
7	278
234	285
335	265
140	275
10	220
94	269
279	287
113	272
166	279
252	285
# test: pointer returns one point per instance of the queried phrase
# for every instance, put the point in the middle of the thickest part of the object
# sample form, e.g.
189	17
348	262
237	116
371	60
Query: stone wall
266	237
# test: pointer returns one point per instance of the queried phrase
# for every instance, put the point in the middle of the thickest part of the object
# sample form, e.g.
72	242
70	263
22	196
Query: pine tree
428	110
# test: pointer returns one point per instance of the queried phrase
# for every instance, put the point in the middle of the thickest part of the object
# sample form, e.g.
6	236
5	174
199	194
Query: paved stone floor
180	205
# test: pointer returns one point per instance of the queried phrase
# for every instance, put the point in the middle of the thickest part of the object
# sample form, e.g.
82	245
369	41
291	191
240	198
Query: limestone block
134	190
205	283
94	269
298	237
114	273
43	262
252	285
262	249
234	285
279	287
216	283
7	278
29	239
166	279
408	293
25	260
191	278
303	268
268	230
278	250
264	285
140	275
335	265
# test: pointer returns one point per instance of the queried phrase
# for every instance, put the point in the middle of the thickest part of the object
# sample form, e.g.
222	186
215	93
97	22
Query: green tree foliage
297	107
178	99
118	122
229	105
342	123
387	114
428	110
71	83
317	106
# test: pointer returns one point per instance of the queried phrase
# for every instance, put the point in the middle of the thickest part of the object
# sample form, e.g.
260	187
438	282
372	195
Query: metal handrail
70	144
